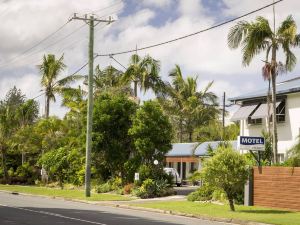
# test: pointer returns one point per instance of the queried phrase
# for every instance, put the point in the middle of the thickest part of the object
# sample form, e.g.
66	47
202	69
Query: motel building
253	112
187	158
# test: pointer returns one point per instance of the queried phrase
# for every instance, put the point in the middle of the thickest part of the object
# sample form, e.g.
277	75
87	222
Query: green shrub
147	190
151	189
11	172
219	195
204	193
195	177
116	183
103	188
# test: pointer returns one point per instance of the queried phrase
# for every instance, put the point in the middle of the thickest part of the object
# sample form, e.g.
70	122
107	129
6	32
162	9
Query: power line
35	45
192	34
78	70
111	56
58	41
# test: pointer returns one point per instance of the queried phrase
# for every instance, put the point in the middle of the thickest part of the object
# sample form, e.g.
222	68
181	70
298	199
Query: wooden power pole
91	22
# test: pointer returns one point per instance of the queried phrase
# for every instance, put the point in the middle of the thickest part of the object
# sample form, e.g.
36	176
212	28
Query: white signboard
136	176
251	143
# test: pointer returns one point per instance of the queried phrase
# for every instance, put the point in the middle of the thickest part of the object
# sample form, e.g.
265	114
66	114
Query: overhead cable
192	34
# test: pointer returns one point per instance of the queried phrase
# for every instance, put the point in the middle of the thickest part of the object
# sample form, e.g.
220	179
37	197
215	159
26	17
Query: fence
276	187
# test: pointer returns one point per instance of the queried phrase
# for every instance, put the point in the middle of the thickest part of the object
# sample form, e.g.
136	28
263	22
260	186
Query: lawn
251	213
68	194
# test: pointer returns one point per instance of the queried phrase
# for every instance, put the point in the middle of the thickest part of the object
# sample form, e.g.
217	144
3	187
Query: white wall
288	131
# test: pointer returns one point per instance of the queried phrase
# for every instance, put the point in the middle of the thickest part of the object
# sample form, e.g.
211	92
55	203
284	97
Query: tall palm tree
143	72
26	114
189	108
256	37
50	70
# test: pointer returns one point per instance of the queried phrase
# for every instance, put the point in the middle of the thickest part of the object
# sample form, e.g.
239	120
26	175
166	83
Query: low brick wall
277	187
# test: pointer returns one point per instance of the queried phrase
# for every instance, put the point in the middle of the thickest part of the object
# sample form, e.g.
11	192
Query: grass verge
68	194
250	213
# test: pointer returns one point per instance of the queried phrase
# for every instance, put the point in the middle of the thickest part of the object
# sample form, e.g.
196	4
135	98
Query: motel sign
251	143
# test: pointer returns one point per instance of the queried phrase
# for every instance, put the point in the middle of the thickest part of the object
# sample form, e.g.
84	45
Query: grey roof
187	149
285	87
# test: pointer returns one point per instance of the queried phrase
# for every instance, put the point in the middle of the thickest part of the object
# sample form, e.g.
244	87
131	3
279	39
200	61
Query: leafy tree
111	144
187	107
50	70
294	155
214	132
57	164
143	72
256	37
226	170
8	123
151	132
109	80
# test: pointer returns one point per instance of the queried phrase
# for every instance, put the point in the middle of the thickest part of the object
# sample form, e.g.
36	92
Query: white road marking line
53	214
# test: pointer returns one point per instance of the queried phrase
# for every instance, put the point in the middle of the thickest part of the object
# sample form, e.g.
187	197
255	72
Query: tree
50	70
226	170
214	132
188	107
8	123
143	72
112	146
26	114
57	164
151	132
294	155
256	37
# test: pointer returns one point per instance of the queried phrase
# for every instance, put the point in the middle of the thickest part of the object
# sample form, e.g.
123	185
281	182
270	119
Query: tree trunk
269	107
4	168
273	80
47	105
180	131
231	204
135	88
190	136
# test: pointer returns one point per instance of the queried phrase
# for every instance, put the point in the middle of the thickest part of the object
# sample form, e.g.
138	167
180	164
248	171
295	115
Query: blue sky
141	22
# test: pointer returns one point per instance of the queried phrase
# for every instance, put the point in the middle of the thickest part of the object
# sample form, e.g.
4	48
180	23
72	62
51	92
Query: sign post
251	144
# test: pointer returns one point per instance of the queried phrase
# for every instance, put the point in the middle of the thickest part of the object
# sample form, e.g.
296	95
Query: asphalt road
27	210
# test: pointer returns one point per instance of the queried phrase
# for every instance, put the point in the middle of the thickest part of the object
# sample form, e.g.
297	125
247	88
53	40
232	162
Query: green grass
251	213
68	194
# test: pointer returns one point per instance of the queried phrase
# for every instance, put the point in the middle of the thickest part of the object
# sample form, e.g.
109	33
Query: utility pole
223	116
91	22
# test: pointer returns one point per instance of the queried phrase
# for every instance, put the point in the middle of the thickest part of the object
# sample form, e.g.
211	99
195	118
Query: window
192	168
280	112
254	121
280	157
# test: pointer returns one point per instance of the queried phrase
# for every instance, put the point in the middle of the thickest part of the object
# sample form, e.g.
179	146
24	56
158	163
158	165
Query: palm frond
237	33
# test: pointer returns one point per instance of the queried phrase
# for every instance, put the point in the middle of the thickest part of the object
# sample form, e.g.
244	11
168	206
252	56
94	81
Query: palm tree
26	114
143	72
256	37
50	70
189	108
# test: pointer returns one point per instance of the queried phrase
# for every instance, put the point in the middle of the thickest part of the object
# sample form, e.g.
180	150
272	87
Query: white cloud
157	3
206	54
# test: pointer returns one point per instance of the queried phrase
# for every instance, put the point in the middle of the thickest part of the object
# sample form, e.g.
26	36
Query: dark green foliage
151	132
111	144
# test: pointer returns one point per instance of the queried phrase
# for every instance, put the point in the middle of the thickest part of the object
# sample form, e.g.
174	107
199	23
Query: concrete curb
126	206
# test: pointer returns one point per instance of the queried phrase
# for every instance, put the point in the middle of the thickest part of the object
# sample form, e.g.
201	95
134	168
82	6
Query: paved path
27	210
